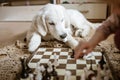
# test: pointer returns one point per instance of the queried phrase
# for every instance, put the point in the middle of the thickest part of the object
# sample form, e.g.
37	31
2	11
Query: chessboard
66	63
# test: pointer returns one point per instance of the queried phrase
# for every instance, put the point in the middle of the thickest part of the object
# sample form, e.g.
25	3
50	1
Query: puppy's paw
84	34
34	42
81	33
32	47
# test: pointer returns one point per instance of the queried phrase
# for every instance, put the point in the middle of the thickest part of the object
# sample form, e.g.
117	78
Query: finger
79	51
78	54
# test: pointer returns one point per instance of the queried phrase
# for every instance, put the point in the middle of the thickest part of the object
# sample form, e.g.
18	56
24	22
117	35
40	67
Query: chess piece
42	68
38	75
31	77
88	74
26	64
24	73
49	69
72	55
37	68
55	63
102	61
46	75
85	57
91	76
54	74
68	75
83	76
38	72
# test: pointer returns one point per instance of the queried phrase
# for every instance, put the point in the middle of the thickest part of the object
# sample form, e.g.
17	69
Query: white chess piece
55	63
38	75
49	69
38	72
67	75
31	76
83	76
93	78
85	72
37	68
42	68
87	56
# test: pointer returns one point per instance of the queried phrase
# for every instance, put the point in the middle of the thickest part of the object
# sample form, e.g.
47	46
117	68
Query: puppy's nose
63	35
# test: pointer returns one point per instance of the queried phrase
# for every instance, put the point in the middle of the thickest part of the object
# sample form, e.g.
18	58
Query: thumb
79	53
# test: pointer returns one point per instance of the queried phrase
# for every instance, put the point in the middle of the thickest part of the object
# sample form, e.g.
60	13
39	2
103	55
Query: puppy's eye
51	23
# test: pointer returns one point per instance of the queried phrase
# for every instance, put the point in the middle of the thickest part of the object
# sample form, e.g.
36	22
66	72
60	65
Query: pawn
42	68
49	69
24	73
27	67
38	76
83	76
55	63
102	61
68	75
54	74
38	72
46	75
73	53
31	77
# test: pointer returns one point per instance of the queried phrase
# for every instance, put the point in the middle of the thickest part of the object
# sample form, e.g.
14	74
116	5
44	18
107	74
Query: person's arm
107	27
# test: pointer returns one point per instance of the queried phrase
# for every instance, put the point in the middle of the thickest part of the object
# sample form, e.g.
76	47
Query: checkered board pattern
44	55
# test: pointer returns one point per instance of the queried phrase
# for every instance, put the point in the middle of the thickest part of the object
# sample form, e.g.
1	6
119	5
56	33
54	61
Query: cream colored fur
53	21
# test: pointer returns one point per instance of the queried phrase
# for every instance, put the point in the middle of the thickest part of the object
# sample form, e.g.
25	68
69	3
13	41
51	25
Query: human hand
83	49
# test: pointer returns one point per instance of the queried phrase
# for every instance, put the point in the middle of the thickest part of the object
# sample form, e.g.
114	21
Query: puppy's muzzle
63	36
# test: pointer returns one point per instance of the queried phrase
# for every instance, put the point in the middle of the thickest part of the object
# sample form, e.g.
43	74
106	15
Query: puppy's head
53	19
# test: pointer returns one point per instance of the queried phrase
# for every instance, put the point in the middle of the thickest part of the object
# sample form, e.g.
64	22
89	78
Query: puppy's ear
40	24
67	20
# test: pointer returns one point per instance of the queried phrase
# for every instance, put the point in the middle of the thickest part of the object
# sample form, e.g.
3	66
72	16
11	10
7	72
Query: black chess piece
54	73
46	75
24	72
72	55
28	69
102	61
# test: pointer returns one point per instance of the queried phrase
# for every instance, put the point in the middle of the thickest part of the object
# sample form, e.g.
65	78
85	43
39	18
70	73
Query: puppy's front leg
71	42
34	42
82	32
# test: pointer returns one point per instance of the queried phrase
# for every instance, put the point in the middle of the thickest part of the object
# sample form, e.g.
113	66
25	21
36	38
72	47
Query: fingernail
84	51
